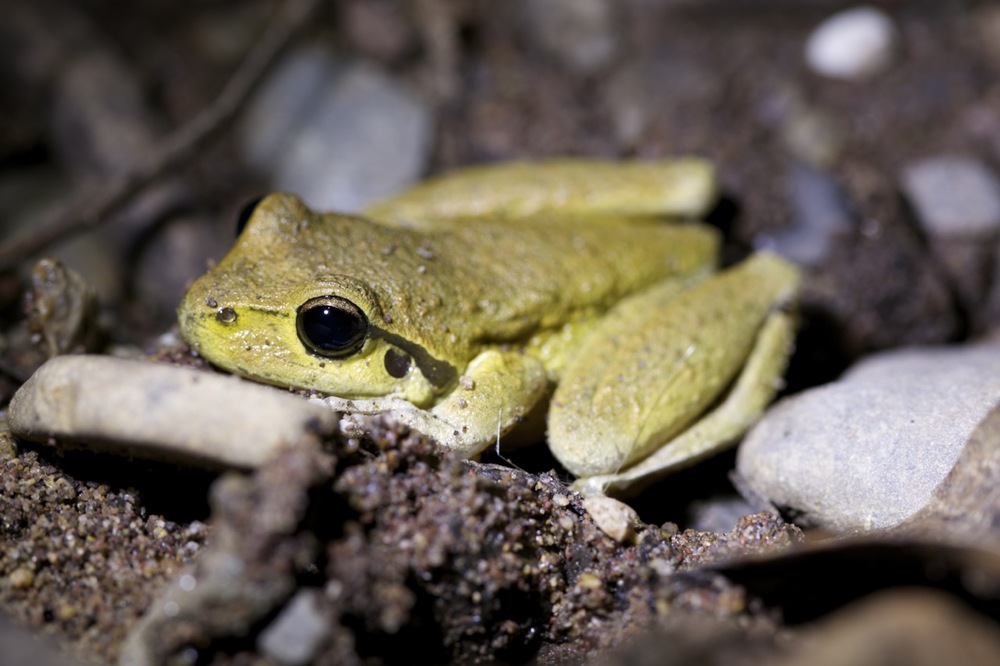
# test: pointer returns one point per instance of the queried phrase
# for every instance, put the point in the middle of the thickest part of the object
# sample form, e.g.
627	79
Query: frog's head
292	305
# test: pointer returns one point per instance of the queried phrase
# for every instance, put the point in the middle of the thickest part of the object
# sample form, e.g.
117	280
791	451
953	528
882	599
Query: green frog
475	305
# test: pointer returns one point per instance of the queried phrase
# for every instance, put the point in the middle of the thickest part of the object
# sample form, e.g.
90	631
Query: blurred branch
94	204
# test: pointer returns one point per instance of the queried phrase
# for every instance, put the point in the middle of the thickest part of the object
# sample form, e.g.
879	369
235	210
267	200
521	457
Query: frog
571	298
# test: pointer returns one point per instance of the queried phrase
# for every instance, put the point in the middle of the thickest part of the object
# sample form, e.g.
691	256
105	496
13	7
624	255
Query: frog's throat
439	373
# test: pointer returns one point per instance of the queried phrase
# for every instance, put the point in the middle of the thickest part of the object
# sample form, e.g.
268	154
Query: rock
613	517
852	44
956	201
298	633
339	134
582	35
62	309
966	505
820	215
869	451
161	411
953	196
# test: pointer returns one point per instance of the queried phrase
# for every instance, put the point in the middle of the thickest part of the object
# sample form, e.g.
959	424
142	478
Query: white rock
298	633
868	451
613	517
953	196
156	410
852	44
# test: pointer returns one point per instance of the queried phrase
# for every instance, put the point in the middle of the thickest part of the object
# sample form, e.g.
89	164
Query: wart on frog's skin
468	302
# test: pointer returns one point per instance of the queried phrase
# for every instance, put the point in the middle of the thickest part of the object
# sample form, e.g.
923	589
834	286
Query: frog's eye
332	326
245	214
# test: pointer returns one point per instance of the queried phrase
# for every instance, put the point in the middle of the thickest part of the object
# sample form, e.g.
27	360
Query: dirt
409	550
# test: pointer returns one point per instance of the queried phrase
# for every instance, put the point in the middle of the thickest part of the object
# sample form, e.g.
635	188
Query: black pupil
331	330
245	214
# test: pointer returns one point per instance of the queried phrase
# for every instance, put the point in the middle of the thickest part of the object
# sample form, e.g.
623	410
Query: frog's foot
497	391
742	407
661	359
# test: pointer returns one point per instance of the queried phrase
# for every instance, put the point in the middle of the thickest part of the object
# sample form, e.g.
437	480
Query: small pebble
298	633
868	451
583	35
953	196
156	410
853	44
21	578
820	215
613	517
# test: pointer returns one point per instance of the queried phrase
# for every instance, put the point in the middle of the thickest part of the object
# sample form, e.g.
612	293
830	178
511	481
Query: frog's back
468	283
533	245
516	277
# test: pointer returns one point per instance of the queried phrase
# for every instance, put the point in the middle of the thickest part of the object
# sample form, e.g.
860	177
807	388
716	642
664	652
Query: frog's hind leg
662	358
682	187
742	407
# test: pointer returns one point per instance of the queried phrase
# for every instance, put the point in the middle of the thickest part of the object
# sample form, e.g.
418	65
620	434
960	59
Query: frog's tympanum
477	301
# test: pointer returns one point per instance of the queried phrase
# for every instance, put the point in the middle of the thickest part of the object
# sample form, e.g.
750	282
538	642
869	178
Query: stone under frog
472	306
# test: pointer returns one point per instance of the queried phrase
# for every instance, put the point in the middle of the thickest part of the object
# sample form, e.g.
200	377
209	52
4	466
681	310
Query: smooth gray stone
161	411
953	196
869	451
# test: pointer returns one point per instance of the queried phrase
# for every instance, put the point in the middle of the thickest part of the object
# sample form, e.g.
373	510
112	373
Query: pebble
868	451
613	517
155	410
956	201
583	35
953	196
298	633
852	44
339	134
821	214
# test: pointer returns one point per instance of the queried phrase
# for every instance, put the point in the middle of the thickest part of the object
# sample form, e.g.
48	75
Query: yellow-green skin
496	286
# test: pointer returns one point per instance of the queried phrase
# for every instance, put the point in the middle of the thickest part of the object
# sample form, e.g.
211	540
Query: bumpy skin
494	285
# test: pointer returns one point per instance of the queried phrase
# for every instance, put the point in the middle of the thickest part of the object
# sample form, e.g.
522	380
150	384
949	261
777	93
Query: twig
92	206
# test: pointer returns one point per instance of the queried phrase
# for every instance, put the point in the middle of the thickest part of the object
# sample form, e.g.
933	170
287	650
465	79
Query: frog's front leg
497	391
660	360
